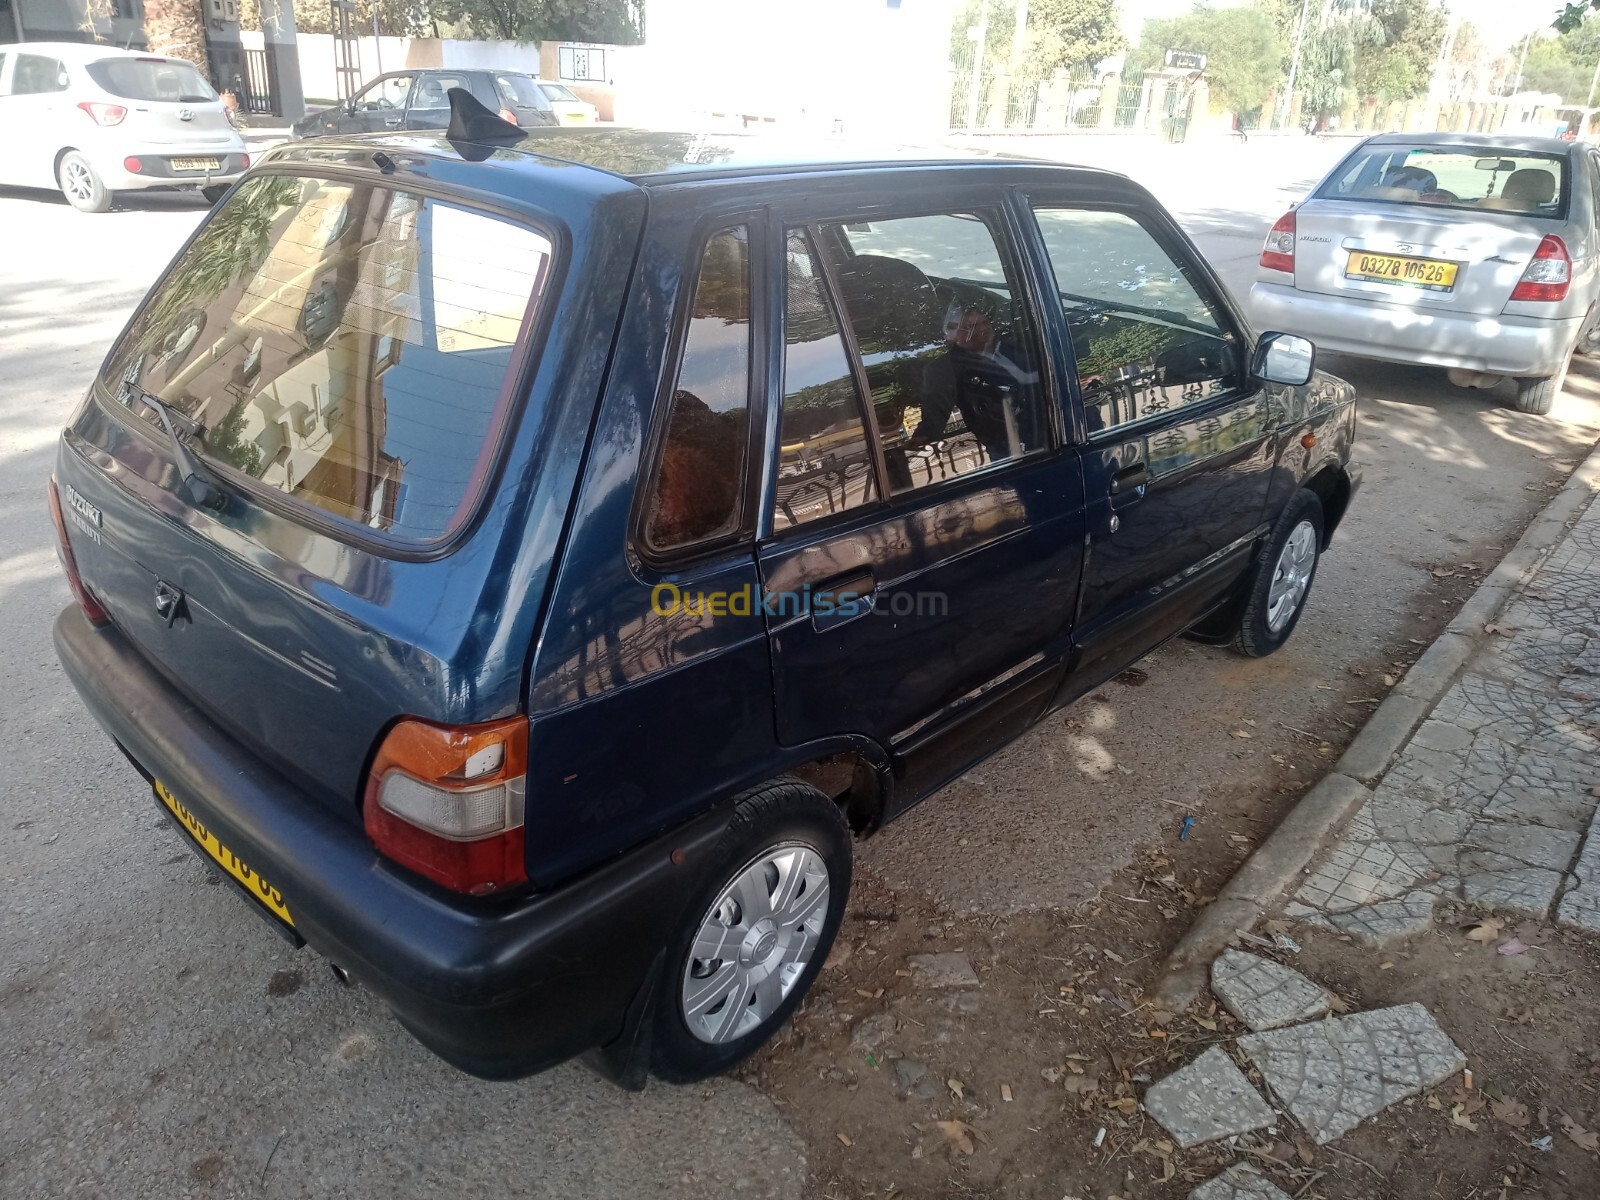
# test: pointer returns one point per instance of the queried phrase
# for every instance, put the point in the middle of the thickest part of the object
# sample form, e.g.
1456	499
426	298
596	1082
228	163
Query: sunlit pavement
160	1041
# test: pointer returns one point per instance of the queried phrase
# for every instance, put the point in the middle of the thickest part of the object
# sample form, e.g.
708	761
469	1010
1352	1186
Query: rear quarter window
345	346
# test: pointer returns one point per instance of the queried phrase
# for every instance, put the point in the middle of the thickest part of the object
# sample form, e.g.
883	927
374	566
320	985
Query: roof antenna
471	121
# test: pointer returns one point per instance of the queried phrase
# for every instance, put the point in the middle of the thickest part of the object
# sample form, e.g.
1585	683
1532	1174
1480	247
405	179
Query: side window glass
34	74
945	338
699	480
825	464
432	91
385	94
1147	340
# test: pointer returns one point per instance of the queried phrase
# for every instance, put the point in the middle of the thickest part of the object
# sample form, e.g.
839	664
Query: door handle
1130	479
842	599
392	122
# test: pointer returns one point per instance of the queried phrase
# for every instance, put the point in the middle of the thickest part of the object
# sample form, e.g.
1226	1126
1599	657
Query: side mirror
1284	358
350	107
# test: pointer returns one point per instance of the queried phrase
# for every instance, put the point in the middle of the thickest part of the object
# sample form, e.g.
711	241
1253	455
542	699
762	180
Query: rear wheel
214	193
1282	578
1537	395
80	184
755	935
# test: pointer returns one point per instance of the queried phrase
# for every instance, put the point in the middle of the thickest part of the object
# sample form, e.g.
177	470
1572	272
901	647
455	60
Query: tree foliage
177	29
1563	65
1413	32
1070	33
1335	42
615	21
1243	47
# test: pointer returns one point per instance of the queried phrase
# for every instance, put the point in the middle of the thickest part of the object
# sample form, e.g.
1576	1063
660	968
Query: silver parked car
91	120
1471	252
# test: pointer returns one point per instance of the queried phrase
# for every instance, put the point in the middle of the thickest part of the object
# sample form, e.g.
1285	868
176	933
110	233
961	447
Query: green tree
1334	43
177	29
1243	48
1413	32
1069	33
396	18
614	21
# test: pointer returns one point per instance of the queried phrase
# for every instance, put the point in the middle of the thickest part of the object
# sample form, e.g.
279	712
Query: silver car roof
1475	141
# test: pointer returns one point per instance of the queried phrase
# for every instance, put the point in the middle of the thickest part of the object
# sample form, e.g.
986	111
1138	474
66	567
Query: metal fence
1080	101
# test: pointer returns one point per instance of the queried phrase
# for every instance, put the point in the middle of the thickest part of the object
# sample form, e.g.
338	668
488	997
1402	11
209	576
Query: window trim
1004	226
1206	286
755	224
515	390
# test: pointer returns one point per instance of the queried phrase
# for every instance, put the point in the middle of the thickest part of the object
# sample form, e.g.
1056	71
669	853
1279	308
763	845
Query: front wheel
1282	578
83	188
756	933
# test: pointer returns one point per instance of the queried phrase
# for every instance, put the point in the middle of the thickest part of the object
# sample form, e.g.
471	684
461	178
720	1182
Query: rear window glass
557	92
519	91
1471	177
151	79
346	345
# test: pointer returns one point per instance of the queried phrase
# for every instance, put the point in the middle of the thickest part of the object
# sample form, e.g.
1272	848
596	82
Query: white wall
378	56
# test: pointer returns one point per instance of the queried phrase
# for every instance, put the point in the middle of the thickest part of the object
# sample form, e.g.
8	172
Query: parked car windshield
1471	177
520	91
151	79
345	344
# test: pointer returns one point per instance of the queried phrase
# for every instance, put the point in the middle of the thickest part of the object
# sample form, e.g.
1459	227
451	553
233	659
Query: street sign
1186	60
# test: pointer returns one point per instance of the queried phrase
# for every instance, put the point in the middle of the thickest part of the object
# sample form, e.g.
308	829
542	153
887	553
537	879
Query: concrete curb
1268	873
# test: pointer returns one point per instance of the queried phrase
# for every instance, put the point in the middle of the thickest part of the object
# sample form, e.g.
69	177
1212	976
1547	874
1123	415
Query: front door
924	538
379	106
1179	447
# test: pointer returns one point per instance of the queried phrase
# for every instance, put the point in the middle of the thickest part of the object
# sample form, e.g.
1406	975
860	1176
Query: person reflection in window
989	380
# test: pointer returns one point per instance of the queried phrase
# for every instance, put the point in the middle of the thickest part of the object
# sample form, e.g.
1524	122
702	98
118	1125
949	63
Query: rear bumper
156	170
1402	333
500	990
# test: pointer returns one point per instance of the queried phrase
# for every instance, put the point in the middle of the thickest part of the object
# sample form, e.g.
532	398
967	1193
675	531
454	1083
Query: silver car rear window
1525	182
344	345
151	79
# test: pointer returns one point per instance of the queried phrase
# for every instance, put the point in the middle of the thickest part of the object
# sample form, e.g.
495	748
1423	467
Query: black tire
81	184
1535	396
214	193
784	814
1257	635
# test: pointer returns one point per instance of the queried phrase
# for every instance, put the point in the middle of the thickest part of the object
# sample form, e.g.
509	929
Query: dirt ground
1002	1090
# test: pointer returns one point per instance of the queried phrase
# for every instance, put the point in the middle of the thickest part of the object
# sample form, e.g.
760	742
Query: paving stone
1208	1099
1531	845
873	1033
1242	1181
1580	907
1496	881
1334	1074
1265	994
1363	869
948	969
1387	921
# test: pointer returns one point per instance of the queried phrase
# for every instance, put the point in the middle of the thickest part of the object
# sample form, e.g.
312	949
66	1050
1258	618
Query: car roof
1475	141
81	52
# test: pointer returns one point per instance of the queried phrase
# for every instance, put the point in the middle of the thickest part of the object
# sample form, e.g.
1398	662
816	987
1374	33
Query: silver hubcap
78	180
755	943
1292	576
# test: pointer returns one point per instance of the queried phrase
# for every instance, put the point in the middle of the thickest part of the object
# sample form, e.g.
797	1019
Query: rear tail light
246	159
132	165
232	120
103	114
1278	253
446	801
1549	272
91	607
508	116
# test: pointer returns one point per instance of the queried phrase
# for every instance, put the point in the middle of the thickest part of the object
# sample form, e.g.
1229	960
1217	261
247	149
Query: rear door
430	99
34	119
924	539
1179	449
1431	227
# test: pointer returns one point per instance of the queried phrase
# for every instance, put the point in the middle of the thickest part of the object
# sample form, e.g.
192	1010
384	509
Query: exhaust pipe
340	973
1473	379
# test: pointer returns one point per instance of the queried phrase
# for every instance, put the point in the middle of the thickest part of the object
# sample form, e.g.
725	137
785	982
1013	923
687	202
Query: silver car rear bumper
1401	333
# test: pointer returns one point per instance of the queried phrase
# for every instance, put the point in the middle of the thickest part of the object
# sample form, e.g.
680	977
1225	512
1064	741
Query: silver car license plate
196	164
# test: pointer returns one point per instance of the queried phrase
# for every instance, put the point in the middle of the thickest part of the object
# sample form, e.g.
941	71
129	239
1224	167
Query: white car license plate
196	164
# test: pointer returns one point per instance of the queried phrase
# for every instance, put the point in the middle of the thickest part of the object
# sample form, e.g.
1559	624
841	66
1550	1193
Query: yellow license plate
577	118
270	897
196	164
1427	273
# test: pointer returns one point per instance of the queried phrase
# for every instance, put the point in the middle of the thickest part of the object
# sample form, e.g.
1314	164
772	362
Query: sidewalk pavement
1494	799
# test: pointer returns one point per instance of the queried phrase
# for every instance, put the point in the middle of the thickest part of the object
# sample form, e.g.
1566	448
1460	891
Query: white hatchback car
93	120
570	108
1474	253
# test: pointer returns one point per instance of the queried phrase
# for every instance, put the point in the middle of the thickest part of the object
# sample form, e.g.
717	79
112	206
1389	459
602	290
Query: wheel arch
1331	486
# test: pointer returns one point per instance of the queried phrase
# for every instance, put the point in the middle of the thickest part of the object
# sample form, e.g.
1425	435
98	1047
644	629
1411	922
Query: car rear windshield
1505	181
346	345
151	79
560	92
519	91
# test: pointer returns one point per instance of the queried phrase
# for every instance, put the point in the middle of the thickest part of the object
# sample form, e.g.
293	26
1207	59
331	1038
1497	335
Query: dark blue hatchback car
519	561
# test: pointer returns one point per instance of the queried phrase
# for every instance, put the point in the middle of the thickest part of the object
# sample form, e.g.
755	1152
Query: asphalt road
161	1041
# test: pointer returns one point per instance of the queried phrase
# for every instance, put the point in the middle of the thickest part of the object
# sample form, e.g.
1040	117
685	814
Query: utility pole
1589	103
1287	98
979	33
1522	61
377	44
